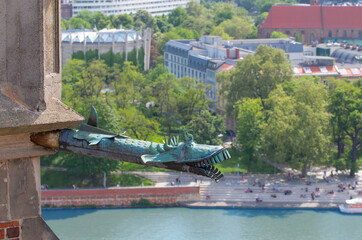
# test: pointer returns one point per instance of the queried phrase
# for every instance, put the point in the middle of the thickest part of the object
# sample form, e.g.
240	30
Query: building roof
350	72
315	71
225	67
103	36
291	16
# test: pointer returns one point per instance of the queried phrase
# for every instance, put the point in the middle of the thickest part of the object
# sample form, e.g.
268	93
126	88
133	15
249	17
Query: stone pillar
30	93
147	47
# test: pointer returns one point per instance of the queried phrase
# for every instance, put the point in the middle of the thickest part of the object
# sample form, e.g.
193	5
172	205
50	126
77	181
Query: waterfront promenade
234	191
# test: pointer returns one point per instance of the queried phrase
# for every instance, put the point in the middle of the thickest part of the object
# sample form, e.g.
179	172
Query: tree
72	70
296	129
78	23
64	24
177	16
249	126
237	27
123	19
206	128
192	99
247	4
219	31
100	20
144	19
276	34
164	94
93	79
127	85
257	75
260	18
346	109
137	125
299	37
86	15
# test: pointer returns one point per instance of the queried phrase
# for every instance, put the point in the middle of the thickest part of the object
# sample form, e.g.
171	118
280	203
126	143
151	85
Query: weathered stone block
3	182
3	191
24	187
4	212
37	229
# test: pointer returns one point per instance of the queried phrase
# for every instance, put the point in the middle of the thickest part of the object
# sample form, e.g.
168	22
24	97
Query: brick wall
119	196
9	230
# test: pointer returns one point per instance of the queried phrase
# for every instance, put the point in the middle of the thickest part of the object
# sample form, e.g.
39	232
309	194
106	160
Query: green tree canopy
257	75
276	34
177	16
346	109
206	128
249	126
296	127
237	27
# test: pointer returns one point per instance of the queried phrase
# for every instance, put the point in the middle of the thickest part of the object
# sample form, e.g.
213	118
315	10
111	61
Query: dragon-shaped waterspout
186	156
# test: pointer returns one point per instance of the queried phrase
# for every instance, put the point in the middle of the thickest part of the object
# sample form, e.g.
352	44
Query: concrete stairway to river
231	190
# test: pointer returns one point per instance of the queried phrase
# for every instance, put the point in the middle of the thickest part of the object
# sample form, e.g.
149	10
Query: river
191	223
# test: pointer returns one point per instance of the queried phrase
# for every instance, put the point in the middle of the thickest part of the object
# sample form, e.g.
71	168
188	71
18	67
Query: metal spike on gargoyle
93	117
160	149
153	150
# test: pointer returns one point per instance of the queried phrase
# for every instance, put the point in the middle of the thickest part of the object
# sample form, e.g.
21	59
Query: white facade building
116	7
117	40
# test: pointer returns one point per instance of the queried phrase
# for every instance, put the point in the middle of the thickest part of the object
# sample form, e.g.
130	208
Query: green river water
205	223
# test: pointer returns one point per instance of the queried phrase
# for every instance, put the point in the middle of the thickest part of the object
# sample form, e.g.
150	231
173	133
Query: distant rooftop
102	36
297	16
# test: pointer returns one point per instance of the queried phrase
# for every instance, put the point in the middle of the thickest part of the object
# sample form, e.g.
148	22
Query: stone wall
119	196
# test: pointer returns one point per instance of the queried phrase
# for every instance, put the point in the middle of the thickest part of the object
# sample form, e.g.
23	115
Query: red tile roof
225	67
342	16
315	71
289	16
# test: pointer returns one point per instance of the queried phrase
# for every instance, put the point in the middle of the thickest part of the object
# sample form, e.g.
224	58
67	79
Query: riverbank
253	191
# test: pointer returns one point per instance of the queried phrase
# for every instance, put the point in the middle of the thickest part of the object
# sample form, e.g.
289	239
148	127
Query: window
330	34
344	33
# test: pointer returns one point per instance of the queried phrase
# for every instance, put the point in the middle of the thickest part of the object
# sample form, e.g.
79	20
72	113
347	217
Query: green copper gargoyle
186	156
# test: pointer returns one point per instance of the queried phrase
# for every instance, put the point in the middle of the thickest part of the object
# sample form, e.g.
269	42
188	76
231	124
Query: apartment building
108	7
202	59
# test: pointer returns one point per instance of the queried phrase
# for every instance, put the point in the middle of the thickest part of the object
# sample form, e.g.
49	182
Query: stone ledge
19	146
16	118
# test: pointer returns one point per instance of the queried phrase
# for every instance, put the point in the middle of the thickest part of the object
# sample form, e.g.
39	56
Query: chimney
237	53
228	53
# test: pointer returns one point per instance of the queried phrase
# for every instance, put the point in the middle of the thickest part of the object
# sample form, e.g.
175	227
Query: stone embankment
120	197
176	189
